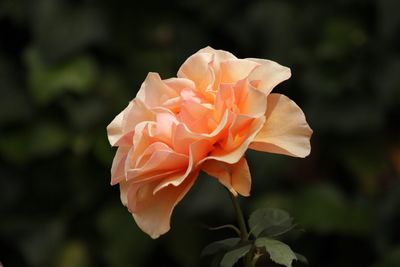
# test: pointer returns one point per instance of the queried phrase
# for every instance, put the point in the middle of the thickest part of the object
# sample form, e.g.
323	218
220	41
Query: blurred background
67	67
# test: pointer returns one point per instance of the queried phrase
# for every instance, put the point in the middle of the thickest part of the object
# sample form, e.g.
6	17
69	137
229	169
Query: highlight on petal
220	55
197	68
126	121
267	75
235	177
154	92
285	130
152	212
236	69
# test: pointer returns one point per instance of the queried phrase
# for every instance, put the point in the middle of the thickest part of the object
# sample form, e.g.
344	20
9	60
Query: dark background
68	67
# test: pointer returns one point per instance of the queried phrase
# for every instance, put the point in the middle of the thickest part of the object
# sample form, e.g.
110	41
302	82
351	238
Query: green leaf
231	257
270	222
221	245
278	251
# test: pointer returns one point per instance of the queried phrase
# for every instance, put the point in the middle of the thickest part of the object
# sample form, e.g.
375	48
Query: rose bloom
203	120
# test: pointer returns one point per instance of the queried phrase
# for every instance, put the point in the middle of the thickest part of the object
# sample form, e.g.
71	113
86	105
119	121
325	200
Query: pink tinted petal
236	69
123	188
154	92
269	74
285	131
197	152
166	123
125	122
152	212
157	158
195	116
236	177
118	165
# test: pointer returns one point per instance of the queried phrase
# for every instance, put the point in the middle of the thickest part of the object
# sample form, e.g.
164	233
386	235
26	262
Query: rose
205	119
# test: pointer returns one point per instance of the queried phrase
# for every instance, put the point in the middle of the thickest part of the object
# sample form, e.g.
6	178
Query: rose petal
156	159
184	137
285	130
152	212
236	69
197	152
250	101
269	74
234	156
236	177
126	121
197	69
118	165
220	55
154	92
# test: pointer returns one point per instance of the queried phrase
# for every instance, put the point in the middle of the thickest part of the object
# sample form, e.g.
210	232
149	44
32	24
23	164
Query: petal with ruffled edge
268	75
236	69
234	156
197	68
118	165
154	92
152	212
156	159
285	130
119	131
220	55
235	177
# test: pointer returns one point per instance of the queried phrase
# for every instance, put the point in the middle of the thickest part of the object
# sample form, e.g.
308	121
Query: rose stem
244	234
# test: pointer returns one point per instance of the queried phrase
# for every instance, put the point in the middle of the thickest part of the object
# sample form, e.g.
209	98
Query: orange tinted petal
236	69
152	212
197	69
126	121
268	75
285	131
236	177
234	156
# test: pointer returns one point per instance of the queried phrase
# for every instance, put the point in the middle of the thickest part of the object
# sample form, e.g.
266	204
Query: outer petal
125	122
152	212
154	92
236	177
118	165
220	55
236	69
285	131
269	74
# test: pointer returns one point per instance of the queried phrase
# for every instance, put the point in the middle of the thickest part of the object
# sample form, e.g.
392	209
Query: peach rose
203	120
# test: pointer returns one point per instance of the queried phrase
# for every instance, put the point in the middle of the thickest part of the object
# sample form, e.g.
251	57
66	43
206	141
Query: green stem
244	234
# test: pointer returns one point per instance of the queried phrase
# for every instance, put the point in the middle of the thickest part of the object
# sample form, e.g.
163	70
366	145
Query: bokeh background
67	67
